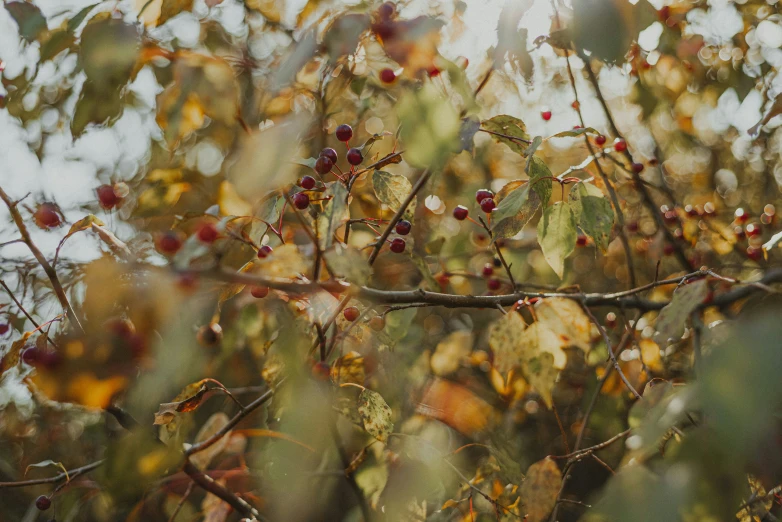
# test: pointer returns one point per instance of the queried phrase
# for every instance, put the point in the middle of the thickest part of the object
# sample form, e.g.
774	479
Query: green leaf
542	375
108	52
334	214
624	19
506	224
348	262
46	464
306	162
430	127
509	126
375	414
170	8
593	213
95	105
29	18
57	42
572	133
269	211
392	189
557	235
672	318
79	17
539	178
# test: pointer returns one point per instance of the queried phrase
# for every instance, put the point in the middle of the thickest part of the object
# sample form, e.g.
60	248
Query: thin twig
19	305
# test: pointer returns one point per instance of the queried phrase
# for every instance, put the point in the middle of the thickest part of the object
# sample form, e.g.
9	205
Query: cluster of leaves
294	299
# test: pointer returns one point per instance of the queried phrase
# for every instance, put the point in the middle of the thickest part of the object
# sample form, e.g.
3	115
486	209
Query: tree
350	278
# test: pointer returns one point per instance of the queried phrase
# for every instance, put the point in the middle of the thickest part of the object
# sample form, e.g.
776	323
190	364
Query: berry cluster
484	198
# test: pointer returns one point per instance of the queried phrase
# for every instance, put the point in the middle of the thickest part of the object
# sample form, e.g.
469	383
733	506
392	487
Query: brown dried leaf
214	424
540	489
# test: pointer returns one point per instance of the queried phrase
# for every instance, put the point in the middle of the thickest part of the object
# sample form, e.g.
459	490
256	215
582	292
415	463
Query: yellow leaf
450	352
349	368
505	339
565	318
231	203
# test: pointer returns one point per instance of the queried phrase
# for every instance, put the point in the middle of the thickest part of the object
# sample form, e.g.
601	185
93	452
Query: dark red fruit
398	245
351	313
355	157
301	200
600	140
387	75
546	115
581	240
488	269
31	355
691	211
307	183
487	205
460	212
323	165
329	153
754	253
385	29
43	503
209	334
433	71
344	132
493	284
265	251
739	232
321	371
741	215
753	229
208	233
670	217
620	146
49	359
482	194
169	243
386	10
377	323
47	216
259	292
610	320
632	226
403	227
637	167
668	249
497	263
4	328
107	197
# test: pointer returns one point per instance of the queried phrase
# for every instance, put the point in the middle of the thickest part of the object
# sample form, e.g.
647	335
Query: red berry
351	313
496	261
600	140
386	10
753	229
209	334
581	240
576	127
355	157
739	232
265	251
741	215
668	249
259	292
4	328
691	211
169	243
493	284
637	167
385	29
670	217
546	115
307	183
460	212
329	153
43	503
433	71
575	104
387	75
377	323
31	355
754	253
321	371
482	194
610	320
50	359
620	146
107	197
208	233
488	269
47	216
403	227
398	245
301	200
664	13
632	227
487	205
323	165
344	132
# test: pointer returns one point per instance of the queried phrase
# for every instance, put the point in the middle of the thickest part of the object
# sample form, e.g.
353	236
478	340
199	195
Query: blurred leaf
759	508
11	357
512	39
593	213
189	399
213	424
467	132
231	203
451	352
411	43
349	263
625	18
348	368
539	178
57	42
506	336
508	126
429	127
170	8
28	17
557	235
95	105
83	224
108	52
457	406
392	189
79	17
286	262
375	414
343	34
572	133
46	464
542	375
672	318
540	489
335	214
567	320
